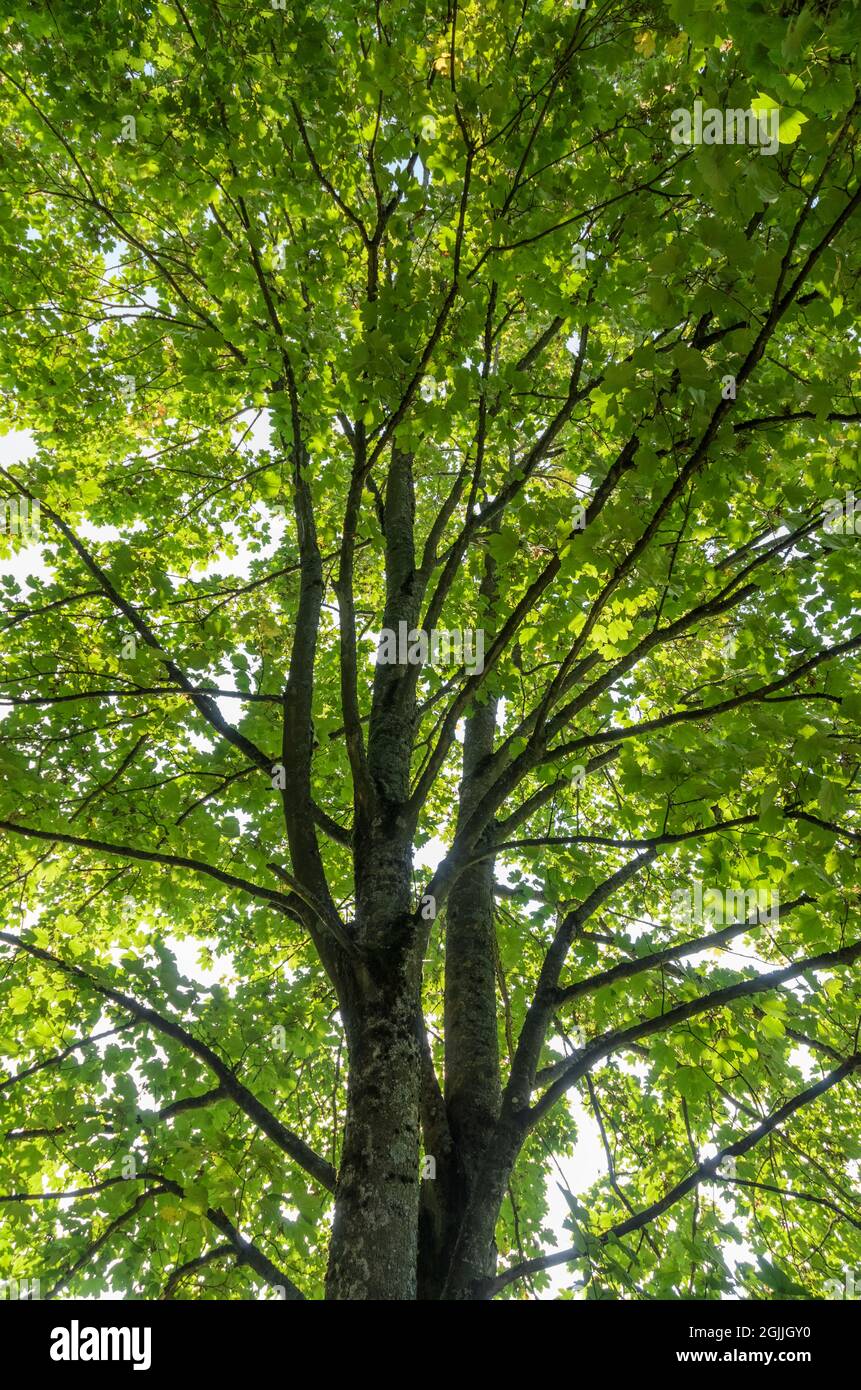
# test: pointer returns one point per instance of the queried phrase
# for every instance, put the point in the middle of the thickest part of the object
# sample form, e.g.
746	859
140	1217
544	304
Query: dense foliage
329	317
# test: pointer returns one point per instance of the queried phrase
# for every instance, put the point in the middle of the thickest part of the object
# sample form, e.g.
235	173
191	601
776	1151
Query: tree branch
707	1169
318	1168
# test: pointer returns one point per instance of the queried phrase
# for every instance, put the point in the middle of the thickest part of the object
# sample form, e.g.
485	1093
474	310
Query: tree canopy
331	319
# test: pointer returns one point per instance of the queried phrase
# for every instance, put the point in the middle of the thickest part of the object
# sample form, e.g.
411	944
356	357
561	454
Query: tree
434	333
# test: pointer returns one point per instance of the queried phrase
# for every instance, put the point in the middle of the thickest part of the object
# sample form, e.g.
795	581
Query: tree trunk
472	1084
472	1089
473	1259
374	1248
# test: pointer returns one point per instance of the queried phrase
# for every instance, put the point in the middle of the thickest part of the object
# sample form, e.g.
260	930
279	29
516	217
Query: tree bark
473	1257
472	1084
374	1248
472	1088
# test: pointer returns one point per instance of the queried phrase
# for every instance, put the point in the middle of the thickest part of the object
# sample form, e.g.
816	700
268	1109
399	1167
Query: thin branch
286	1140
705	1170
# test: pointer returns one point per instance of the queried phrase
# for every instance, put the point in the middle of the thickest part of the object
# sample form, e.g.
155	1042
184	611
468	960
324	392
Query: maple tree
332	318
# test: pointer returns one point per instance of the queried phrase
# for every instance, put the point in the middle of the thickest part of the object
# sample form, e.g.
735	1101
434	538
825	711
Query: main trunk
379	1217
374	1247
